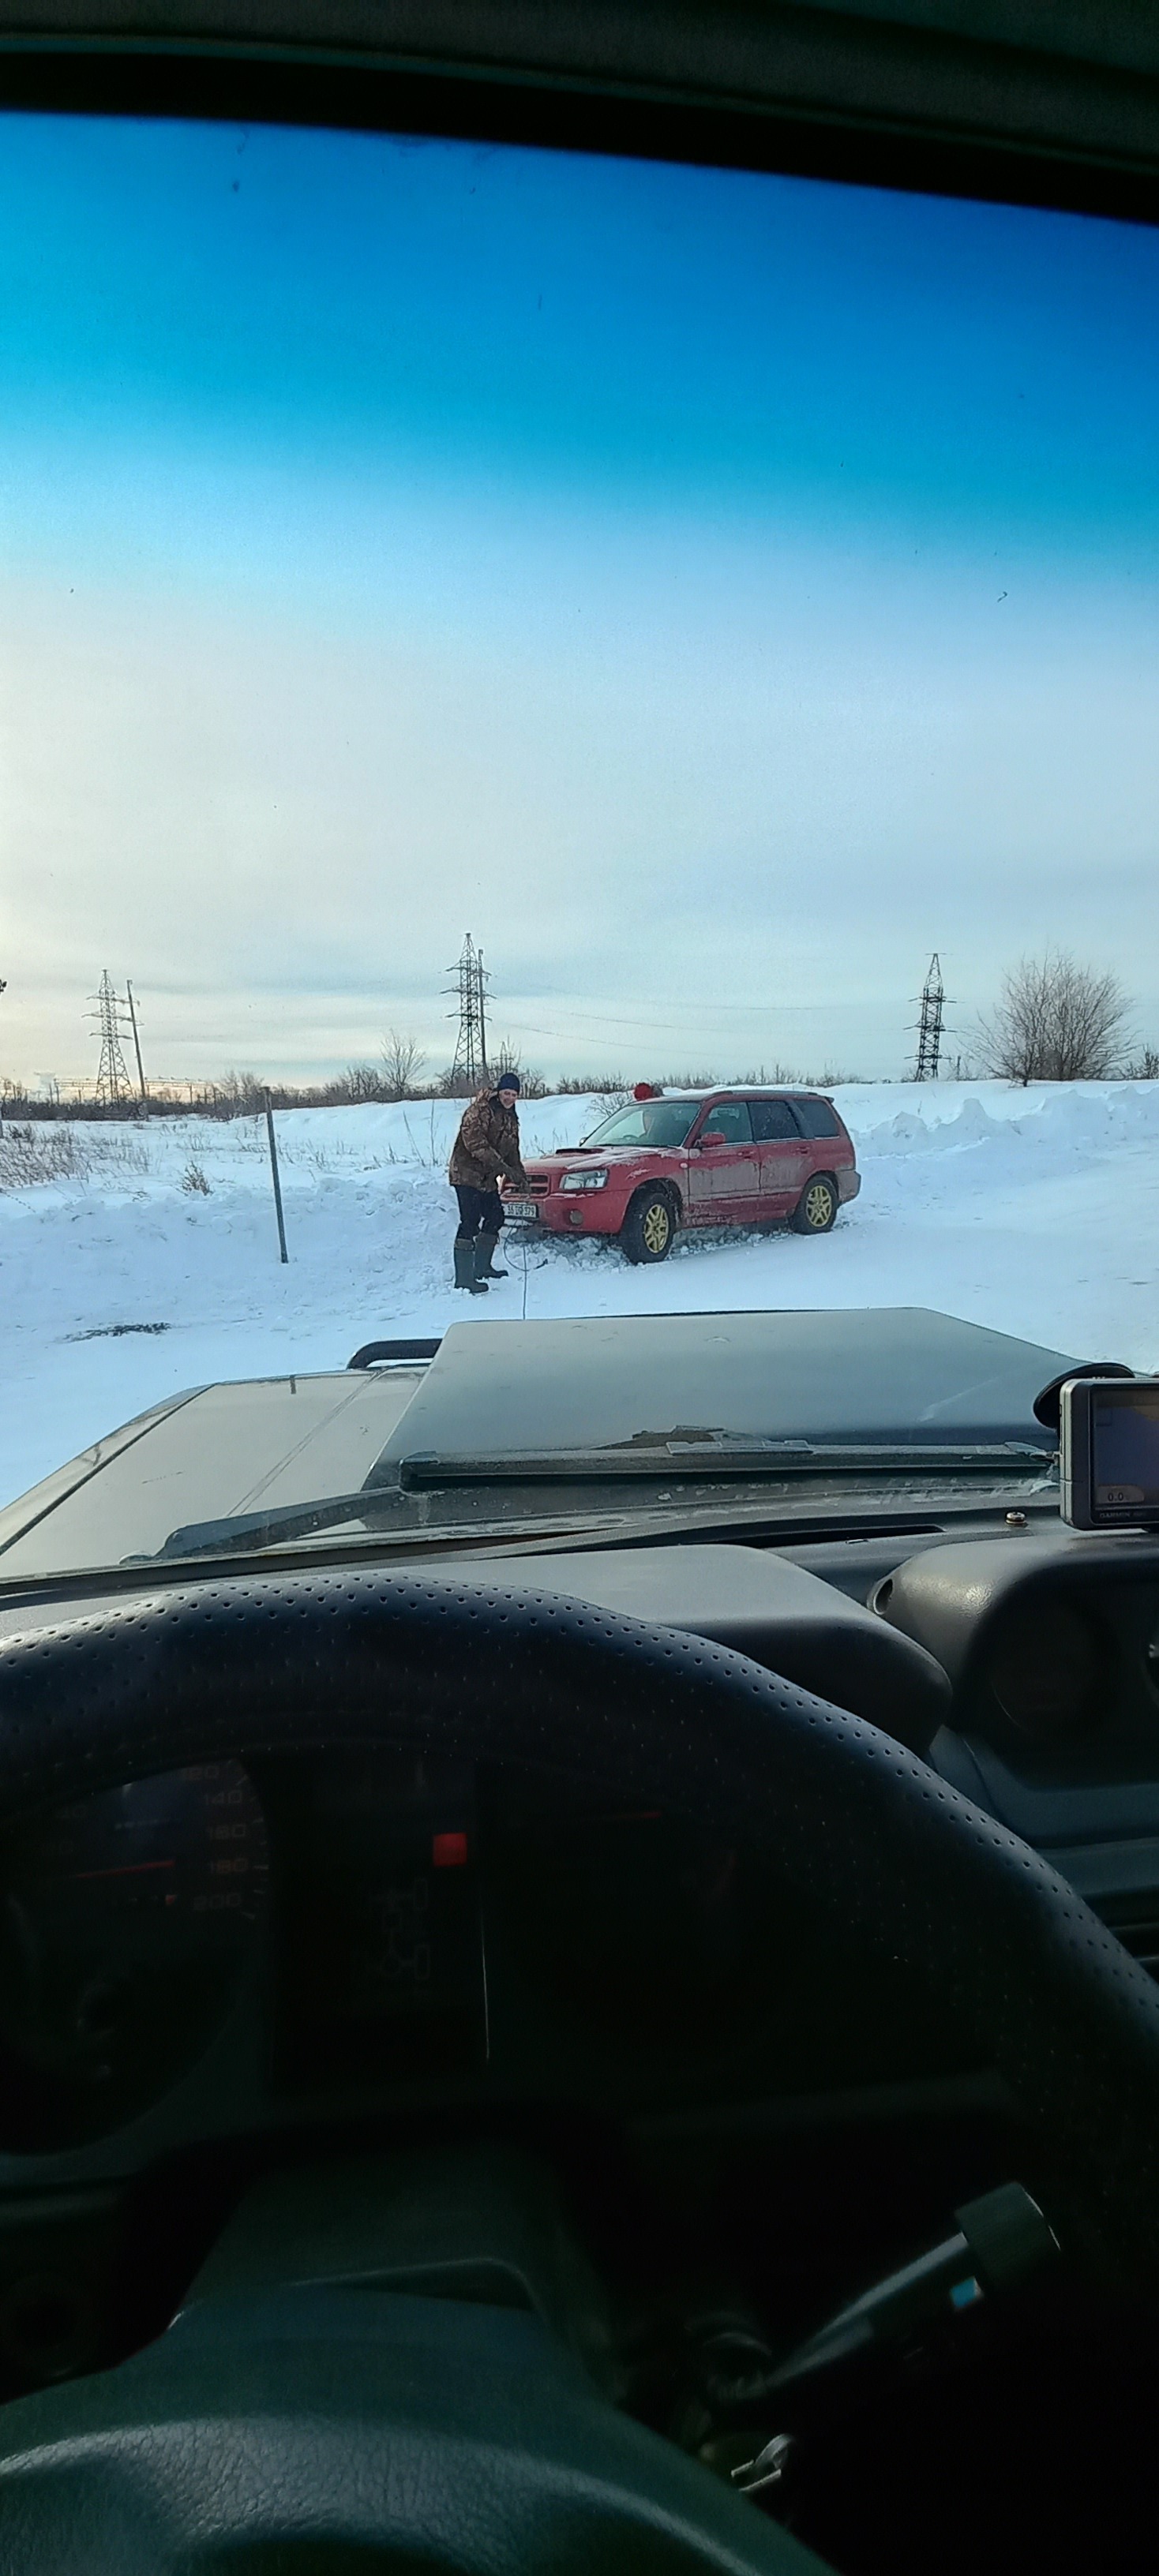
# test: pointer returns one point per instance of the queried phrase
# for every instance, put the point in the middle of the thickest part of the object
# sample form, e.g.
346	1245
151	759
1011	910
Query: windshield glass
654	1122
488	627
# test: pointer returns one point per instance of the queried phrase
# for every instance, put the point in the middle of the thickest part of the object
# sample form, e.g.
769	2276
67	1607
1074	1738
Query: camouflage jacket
486	1149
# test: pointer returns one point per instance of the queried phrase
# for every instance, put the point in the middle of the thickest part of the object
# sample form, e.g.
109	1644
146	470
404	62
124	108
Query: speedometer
125	1922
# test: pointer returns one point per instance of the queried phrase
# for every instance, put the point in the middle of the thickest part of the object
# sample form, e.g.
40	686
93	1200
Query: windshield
654	1122
488	628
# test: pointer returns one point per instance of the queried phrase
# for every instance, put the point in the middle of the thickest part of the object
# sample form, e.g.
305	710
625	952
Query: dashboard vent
850	1527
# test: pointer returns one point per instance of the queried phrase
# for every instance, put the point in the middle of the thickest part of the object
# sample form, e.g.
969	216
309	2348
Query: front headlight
584	1181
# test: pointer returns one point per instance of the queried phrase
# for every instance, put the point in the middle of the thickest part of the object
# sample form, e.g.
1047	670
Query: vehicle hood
504	1389
563	1155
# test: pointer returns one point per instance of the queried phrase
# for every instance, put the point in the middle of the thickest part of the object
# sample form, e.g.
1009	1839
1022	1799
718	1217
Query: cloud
774	774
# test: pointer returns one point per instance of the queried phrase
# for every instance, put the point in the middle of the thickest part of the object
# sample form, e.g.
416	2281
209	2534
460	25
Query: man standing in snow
486	1151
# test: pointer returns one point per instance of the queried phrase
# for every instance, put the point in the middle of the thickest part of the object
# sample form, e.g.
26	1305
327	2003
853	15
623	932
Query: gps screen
1125	1448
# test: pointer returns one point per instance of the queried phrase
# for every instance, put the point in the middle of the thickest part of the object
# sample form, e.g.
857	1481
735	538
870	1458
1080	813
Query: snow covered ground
1036	1211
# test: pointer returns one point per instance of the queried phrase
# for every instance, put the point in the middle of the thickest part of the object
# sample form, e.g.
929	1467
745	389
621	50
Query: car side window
773	1122
730	1119
817	1118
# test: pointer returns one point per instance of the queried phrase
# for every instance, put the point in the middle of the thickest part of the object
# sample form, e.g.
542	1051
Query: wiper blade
378	1512
240	1530
377	1506
698	1460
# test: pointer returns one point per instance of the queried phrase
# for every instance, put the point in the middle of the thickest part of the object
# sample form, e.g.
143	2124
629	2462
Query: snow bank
154	1264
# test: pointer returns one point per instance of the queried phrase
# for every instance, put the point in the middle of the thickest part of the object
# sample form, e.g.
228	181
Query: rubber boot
485	1263
465	1268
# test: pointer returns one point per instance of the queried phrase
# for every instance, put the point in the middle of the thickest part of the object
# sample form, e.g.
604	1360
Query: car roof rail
372	1352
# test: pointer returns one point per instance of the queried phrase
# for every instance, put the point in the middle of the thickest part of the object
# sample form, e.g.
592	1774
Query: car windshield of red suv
654	1122
510	653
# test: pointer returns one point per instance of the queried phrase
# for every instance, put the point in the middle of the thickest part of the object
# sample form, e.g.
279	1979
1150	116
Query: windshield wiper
380	1507
700	1459
263	1529
375	1510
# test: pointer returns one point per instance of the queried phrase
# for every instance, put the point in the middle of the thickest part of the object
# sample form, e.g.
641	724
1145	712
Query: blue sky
714	591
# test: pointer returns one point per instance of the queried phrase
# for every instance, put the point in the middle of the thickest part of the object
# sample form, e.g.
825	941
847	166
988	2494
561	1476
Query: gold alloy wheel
656	1228
819	1206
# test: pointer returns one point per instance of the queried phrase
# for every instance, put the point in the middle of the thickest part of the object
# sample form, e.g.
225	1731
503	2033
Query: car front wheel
817	1206
649	1228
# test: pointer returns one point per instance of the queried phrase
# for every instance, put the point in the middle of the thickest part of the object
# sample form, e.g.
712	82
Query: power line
749	1010
765	1011
639	1031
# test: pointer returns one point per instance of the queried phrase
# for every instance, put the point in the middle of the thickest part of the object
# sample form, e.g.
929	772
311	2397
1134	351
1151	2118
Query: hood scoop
885	1375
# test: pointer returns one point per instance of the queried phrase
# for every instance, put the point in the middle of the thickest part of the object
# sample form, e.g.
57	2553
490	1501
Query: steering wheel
336	2430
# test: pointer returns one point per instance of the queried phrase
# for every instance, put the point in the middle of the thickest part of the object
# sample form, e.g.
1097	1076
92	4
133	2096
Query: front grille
537	1186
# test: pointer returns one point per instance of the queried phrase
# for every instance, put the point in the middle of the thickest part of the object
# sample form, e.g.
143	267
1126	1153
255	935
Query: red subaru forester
685	1158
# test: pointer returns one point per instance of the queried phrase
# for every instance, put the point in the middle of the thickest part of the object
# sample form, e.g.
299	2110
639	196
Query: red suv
674	1158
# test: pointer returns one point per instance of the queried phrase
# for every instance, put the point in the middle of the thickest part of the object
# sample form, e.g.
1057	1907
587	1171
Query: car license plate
523	1210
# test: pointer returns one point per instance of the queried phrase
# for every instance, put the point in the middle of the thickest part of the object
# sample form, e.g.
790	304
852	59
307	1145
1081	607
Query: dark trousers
480	1212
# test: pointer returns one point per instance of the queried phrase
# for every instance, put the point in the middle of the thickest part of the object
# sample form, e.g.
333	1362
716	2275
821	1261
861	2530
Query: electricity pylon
933	1003
113	1082
469	991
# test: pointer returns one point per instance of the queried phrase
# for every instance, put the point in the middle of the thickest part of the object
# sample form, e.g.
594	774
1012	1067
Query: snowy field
1036	1211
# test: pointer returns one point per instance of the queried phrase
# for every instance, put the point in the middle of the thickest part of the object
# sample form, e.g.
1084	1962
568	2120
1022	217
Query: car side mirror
713	1136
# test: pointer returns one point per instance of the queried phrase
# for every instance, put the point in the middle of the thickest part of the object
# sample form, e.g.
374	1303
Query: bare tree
359	1082
238	1095
504	1058
1054	1021
594	1086
402	1063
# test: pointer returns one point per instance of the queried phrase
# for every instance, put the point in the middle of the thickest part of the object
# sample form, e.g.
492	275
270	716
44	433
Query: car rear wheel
649	1228
817	1206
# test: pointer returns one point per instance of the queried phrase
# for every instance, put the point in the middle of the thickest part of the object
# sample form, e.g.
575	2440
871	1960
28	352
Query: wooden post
136	1043
274	1171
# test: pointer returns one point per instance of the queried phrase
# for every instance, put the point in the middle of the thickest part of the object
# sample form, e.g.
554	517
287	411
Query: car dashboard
344	1942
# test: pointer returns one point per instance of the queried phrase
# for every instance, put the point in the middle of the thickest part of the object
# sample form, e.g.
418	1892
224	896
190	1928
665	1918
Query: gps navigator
1110	1452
